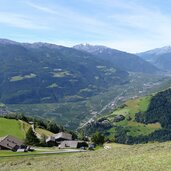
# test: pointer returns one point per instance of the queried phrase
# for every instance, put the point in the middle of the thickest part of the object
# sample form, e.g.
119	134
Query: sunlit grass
11	127
152	156
43	132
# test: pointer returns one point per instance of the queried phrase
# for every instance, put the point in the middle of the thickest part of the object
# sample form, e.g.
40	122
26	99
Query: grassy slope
131	107
134	106
153	157
11	127
18	128
43	132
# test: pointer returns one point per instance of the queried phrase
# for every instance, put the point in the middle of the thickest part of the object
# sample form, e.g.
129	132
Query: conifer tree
31	138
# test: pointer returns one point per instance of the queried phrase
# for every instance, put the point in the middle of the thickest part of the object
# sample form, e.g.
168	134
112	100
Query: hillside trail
36	133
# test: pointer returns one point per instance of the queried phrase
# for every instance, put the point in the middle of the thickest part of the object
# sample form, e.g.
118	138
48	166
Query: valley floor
152	156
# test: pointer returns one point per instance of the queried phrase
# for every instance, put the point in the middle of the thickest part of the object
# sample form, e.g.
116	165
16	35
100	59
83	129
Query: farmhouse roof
58	136
50	138
63	135
10	142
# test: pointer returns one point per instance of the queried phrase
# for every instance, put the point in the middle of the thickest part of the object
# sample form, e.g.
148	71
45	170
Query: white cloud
139	26
121	24
149	26
19	21
70	17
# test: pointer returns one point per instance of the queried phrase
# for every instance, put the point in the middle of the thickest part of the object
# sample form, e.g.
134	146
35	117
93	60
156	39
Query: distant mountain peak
158	51
90	48
7	41
31	45
160	57
96	49
42	44
120	59
89	45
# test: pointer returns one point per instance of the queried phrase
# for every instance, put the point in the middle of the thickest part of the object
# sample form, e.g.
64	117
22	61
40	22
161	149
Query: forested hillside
159	110
138	121
122	60
46	73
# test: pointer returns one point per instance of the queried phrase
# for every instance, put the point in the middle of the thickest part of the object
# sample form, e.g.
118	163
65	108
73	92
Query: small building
11	143
73	144
56	139
62	136
51	141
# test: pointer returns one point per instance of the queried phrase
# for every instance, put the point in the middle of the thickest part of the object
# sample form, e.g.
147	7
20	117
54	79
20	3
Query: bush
98	138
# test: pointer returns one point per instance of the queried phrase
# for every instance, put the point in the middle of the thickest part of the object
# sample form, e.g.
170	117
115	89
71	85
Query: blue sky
129	25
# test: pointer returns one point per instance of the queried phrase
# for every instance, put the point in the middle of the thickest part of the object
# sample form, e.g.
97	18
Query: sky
128	25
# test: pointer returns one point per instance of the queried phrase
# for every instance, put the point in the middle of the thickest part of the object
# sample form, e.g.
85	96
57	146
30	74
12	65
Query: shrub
98	138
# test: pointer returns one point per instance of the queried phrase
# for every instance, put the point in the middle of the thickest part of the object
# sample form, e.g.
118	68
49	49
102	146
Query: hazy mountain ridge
41	72
156	51
122	60
160	57
71	82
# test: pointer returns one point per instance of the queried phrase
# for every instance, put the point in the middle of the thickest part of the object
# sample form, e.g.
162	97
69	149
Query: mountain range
48	73
122	60
160	57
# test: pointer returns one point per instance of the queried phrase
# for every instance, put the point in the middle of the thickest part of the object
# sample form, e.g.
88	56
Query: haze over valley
72	85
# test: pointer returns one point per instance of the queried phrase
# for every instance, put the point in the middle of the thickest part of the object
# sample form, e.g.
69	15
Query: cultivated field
148	157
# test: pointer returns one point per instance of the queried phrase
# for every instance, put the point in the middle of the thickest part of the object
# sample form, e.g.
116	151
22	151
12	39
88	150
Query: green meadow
18	128
11	127
144	157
